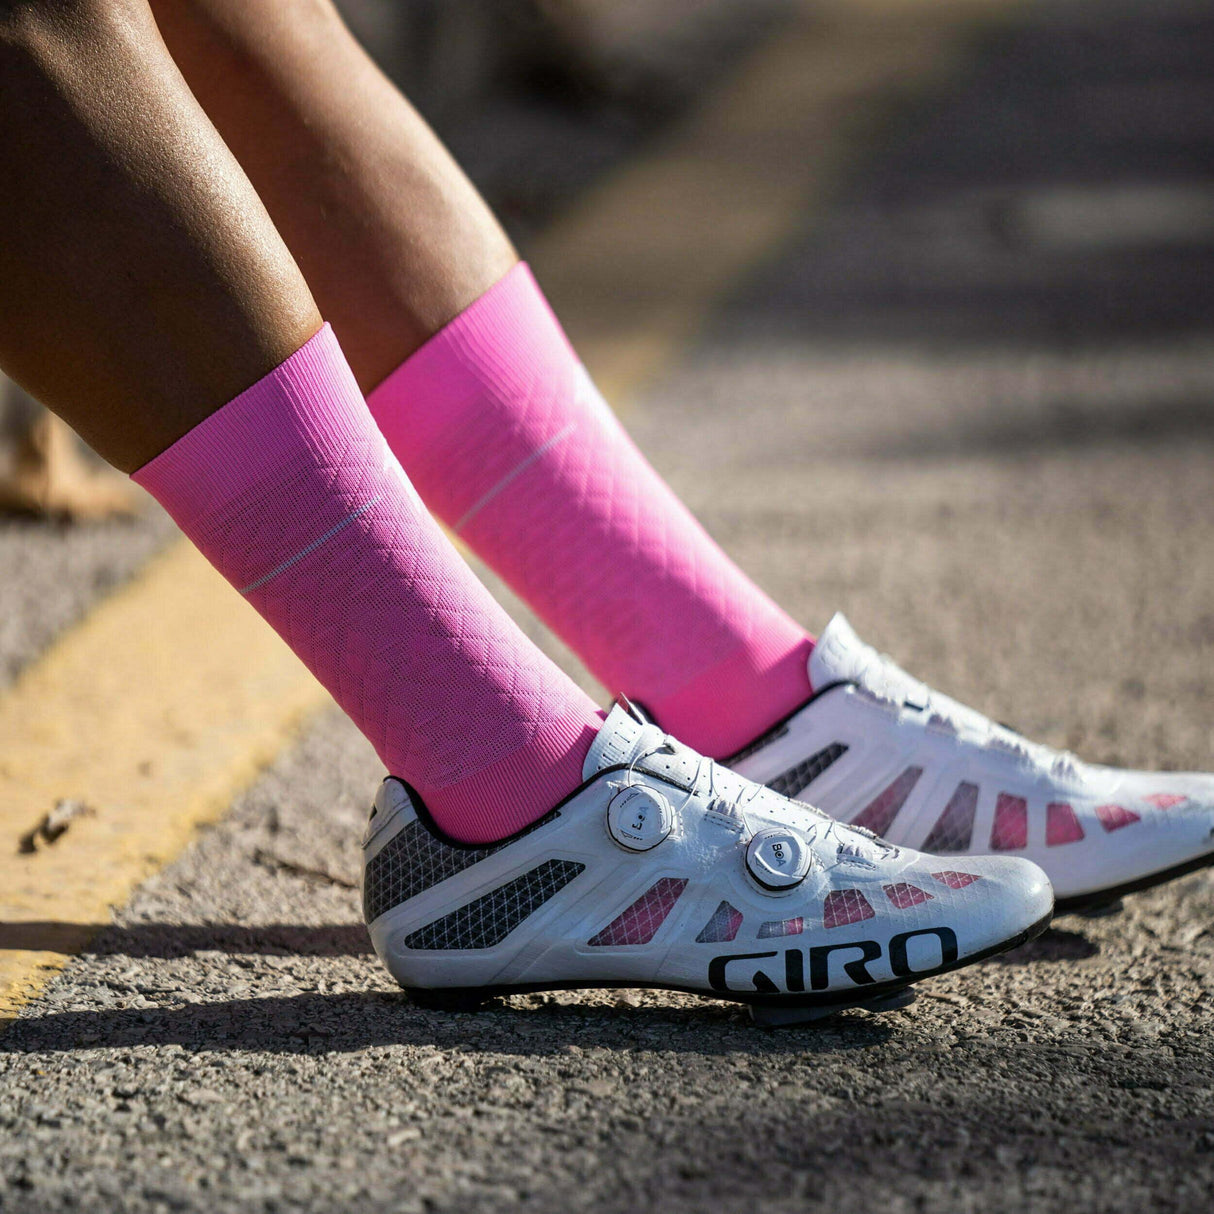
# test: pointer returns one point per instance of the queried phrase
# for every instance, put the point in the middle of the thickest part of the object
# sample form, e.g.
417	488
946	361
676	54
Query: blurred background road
963	390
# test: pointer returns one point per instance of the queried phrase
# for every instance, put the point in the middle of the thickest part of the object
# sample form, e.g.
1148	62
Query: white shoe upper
879	749
666	869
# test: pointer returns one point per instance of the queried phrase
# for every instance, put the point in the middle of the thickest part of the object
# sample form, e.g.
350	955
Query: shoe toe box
992	898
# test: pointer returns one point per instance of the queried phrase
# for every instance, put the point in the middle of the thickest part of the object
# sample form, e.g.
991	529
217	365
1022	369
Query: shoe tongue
621	737
839	656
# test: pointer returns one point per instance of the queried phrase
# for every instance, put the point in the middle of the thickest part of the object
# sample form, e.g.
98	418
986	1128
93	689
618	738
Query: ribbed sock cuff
727	706
521	788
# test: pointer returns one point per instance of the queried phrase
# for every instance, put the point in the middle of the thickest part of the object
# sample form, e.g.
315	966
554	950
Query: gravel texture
230	1043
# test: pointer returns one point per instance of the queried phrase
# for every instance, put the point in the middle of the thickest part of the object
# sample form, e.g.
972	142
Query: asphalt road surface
972	406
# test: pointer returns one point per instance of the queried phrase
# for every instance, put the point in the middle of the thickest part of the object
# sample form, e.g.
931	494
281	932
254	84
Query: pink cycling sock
292	494
510	443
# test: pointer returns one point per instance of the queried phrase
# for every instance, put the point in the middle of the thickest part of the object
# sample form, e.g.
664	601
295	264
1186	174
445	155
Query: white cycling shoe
666	870
881	750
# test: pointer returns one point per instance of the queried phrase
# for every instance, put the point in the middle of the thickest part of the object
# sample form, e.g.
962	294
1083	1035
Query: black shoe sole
766	1011
1103	899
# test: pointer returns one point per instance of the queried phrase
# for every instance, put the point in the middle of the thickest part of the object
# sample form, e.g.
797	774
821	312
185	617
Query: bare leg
142	283
392	237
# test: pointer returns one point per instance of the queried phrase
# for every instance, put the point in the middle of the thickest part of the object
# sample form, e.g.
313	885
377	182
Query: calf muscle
141	282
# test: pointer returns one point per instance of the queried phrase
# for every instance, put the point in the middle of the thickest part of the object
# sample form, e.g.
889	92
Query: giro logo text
785	970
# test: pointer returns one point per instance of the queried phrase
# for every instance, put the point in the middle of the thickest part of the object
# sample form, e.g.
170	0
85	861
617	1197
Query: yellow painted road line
155	712
172	695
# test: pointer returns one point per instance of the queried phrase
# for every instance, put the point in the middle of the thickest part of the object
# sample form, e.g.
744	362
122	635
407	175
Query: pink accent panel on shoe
955	826
955	880
904	896
1061	824
844	906
640	922
292	493
1010	830
1164	800
510	443
1114	817
880	813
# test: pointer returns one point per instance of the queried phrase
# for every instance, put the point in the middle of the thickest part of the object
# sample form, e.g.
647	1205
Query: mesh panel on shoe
638	924
878	816
1061	824
800	776
782	927
414	860
844	906
722	927
1164	800
904	896
1010	829
490	919
1114	817
956	880
955	826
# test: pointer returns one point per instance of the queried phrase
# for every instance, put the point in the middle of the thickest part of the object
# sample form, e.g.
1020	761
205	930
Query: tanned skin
392	237
171	182
142	282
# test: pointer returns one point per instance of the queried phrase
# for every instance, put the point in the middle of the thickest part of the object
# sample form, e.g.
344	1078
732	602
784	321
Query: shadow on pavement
180	940
1057	944
345	1022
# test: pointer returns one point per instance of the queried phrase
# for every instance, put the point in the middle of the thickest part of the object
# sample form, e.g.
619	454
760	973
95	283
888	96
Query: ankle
727	706
520	788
